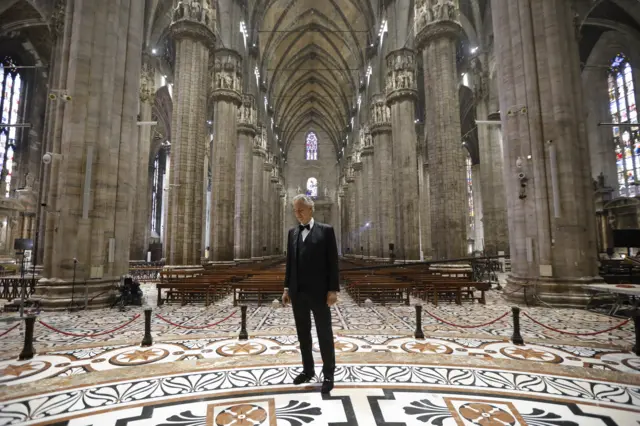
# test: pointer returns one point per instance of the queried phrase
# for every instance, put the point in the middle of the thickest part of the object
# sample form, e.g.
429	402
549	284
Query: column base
257	259
57	294
557	292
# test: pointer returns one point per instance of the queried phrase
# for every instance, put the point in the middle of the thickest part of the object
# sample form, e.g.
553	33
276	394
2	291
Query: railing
11	288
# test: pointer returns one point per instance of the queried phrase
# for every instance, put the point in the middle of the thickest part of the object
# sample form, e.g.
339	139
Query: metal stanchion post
517	337
147	340
419	334
243	327
27	350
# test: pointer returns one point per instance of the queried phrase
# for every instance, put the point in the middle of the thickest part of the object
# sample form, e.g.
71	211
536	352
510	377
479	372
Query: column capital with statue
194	19
226	76
401	76
434	19
247	115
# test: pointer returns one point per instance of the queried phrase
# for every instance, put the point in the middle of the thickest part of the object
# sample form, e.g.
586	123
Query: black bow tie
303	227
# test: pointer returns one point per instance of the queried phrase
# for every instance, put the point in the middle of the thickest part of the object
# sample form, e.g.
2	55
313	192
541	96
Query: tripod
72	304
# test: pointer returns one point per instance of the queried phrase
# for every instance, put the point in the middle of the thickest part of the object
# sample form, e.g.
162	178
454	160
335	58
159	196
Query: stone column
343	201
437	28
273	205
257	210
478	226
401	93
278	216
89	209
140	226
547	174
267	168
370	196
385	214
351	209
226	95
194	35
494	205
247	118
425	208
358	225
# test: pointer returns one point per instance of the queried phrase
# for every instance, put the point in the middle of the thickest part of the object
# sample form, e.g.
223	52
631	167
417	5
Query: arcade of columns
390	193
420	194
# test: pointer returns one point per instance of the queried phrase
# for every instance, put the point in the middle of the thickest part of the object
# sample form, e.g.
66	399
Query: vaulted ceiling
312	54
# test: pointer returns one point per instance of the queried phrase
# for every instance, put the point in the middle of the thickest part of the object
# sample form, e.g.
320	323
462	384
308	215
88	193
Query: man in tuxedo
311	285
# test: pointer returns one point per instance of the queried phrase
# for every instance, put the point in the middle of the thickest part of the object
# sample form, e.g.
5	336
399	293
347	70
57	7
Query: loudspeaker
23	244
391	246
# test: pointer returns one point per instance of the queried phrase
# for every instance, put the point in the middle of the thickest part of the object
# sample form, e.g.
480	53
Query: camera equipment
129	293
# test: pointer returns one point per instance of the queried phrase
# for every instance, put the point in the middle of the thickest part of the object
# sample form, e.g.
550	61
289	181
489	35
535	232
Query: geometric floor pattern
346	316
380	393
205	376
73	362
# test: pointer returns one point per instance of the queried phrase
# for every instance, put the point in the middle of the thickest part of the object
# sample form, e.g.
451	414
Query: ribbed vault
312	53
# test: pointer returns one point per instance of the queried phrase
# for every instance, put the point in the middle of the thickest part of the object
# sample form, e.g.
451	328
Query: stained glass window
159	167
472	213
312	146
622	105
10	90
312	187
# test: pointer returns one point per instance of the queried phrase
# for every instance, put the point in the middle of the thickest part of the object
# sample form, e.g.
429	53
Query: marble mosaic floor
379	389
205	376
346	315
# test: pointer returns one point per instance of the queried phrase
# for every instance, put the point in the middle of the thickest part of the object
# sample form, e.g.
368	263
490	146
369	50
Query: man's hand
285	298
332	298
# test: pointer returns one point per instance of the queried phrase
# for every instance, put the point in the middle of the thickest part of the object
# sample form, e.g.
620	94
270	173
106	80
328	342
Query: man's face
302	211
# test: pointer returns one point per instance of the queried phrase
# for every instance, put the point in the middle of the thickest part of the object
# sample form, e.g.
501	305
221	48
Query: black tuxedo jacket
317	269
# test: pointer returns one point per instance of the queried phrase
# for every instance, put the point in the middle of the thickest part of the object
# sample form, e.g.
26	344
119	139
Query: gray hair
307	200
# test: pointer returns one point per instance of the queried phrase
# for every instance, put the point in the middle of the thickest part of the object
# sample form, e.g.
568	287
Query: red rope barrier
593	333
194	327
89	335
467	326
4	333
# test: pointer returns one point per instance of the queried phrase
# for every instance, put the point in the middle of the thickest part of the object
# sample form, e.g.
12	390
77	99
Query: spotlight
154	51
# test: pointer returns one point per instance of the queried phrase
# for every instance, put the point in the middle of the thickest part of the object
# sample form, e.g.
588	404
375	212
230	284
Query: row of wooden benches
250	284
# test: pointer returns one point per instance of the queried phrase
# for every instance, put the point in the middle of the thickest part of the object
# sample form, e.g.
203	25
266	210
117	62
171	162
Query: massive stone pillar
425	208
267	168
370	196
194	35
247	118
279	216
226	95
257	211
94	147
494	204
342	206
385	213
401	93
273	206
140	226
437	27
547	174
358	225
351	209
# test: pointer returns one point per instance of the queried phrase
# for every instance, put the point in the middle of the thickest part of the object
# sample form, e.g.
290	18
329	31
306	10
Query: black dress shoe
327	386
302	378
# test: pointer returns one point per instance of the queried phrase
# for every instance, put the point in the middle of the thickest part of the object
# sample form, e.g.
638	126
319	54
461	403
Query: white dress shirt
306	231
